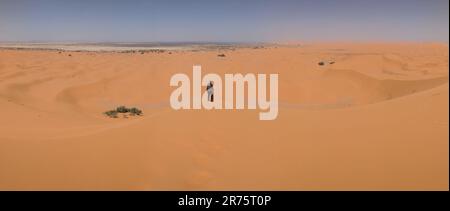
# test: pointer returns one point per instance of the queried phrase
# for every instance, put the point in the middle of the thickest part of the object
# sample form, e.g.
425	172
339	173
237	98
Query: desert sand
376	119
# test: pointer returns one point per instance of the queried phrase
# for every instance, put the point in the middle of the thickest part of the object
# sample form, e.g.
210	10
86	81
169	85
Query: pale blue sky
224	20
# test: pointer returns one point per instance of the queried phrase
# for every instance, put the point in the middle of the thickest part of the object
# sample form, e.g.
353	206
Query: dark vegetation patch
124	111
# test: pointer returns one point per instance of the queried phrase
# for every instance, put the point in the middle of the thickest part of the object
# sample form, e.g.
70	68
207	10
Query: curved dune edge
387	90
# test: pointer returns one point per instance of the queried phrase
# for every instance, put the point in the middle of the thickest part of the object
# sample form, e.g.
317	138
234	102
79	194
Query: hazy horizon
224	21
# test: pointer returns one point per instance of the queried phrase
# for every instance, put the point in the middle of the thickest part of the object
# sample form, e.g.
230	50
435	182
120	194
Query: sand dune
375	119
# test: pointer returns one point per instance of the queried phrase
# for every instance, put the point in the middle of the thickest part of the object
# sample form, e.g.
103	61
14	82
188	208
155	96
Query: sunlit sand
371	116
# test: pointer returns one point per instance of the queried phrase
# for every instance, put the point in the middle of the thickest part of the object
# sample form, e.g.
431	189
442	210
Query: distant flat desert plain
373	116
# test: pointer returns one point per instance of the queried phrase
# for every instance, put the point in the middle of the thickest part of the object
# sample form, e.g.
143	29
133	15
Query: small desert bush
135	111
123	110
111	113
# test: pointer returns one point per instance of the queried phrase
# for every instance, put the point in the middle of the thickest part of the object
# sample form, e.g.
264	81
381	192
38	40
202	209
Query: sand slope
375	119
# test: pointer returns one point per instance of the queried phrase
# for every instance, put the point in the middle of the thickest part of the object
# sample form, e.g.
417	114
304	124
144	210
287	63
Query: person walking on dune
210	90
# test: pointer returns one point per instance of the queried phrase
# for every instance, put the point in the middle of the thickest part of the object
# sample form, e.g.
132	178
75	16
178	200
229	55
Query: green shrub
135	111
111	113
123	110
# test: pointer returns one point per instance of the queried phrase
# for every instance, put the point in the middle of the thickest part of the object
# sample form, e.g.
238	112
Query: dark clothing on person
210	90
